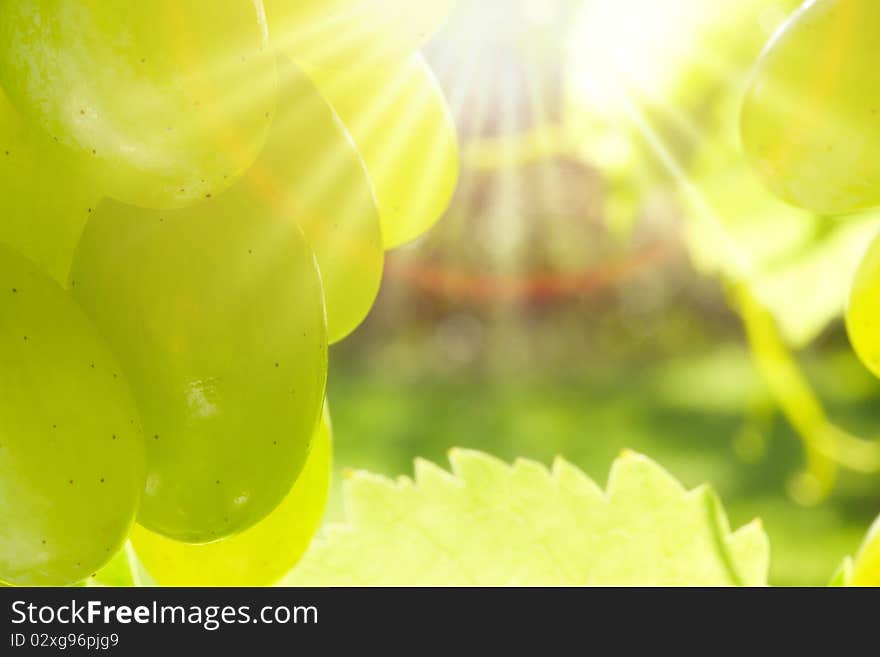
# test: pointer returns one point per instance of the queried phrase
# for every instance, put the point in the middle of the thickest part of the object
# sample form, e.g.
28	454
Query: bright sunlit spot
636	45
399	292
644	93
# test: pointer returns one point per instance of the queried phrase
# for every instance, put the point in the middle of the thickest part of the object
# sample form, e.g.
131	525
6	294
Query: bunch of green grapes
195	201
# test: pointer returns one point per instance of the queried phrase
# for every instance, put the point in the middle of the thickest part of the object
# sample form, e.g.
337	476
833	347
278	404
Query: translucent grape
71	448
217	314
811	118
45	196
402	127
311	170
171	100
259	556
342	33
863	313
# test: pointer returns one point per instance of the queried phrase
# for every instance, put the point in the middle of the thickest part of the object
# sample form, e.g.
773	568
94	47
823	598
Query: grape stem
827	445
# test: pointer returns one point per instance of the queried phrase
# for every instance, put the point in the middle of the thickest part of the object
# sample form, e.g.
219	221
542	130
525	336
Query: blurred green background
701	410
566	306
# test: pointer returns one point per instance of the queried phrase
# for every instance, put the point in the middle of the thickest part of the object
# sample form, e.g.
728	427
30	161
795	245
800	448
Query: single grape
310	169
811	118
217	314
170	100
259	556
45	195
402	127
71	447
863	313
866	569
343	33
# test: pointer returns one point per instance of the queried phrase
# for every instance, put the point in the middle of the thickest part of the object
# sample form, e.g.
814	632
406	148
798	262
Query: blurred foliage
576	299
707	416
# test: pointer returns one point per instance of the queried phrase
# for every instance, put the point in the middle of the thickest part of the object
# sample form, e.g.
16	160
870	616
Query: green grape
811	118
310	168
45	198
259	556
170	100
866	569
401	125
217	314
863	313
338	33
71	448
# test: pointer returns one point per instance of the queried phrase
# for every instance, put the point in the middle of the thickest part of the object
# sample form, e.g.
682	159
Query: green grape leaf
492	524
